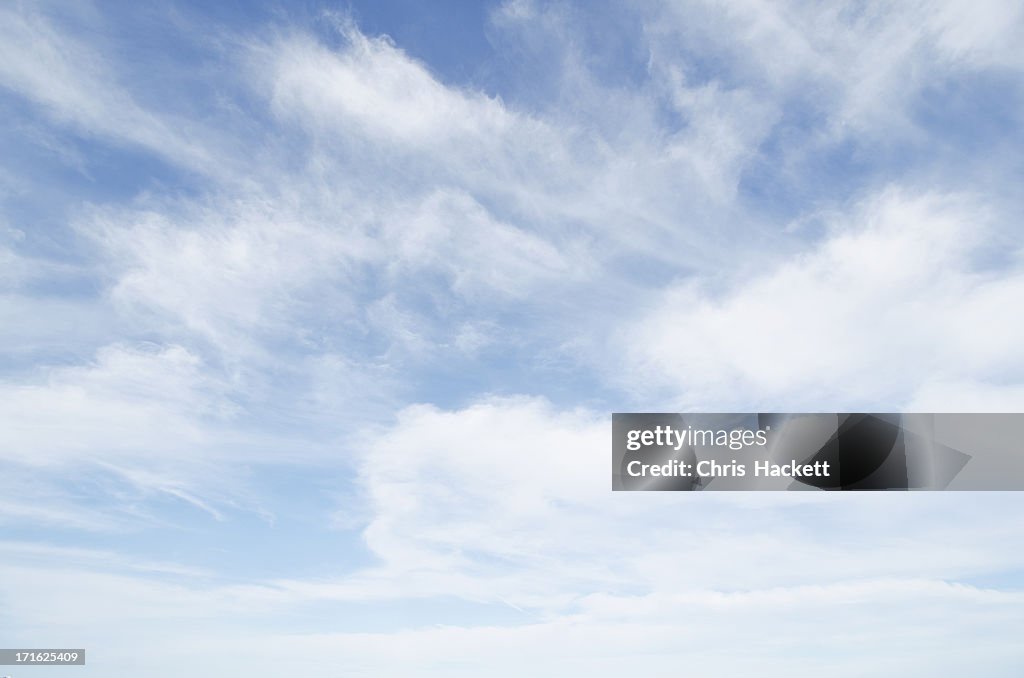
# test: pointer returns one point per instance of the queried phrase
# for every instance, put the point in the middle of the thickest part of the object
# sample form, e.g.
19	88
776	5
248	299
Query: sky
313	316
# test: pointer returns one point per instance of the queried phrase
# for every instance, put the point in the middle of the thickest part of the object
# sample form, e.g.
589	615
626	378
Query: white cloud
891	300
979	33
447	489
577	179
498	204
453	233
74	84
373	86
139	421
862	66
225	272
123	402
500	504
384	220
508	500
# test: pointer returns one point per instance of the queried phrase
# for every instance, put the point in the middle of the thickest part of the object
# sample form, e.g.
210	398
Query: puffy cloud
892	299
508	500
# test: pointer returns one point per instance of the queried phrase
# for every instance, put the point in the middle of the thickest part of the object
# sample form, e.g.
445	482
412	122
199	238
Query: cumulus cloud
507	500
892	300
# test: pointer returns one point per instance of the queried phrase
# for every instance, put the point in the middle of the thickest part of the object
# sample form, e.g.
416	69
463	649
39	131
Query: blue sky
314	316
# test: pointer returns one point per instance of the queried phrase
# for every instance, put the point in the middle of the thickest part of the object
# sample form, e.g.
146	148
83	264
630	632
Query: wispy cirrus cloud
74	84
426	293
